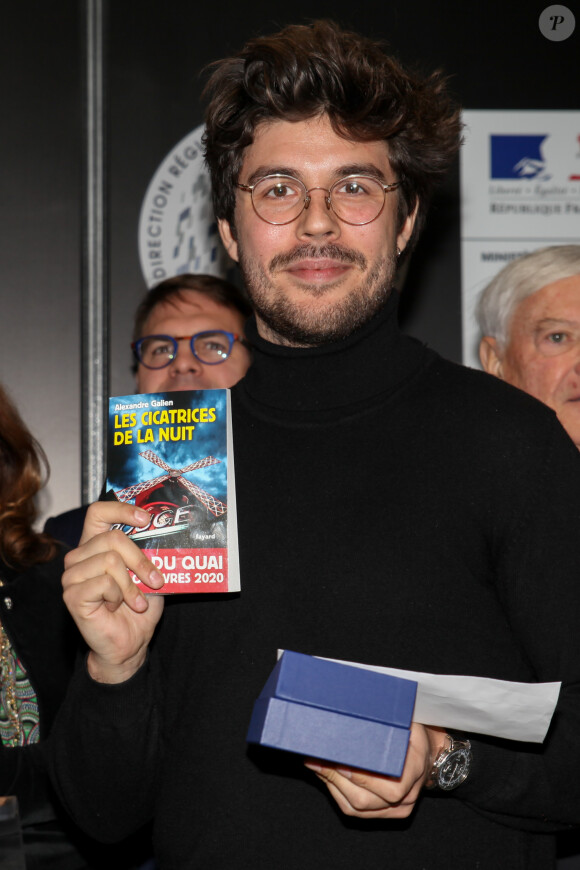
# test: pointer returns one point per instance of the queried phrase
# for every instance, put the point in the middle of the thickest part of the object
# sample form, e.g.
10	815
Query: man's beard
296	324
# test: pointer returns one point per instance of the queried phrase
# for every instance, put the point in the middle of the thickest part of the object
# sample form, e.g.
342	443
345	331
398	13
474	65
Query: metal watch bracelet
452	765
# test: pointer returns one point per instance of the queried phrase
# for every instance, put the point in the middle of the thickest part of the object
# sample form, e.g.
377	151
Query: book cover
172	455
329	710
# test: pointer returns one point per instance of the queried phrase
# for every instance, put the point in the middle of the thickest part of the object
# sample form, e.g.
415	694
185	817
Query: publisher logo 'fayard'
517	156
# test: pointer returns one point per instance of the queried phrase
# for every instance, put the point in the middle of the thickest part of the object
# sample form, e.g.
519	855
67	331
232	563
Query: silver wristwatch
452	765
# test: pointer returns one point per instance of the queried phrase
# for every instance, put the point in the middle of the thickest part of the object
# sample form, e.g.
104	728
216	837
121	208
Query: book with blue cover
172	455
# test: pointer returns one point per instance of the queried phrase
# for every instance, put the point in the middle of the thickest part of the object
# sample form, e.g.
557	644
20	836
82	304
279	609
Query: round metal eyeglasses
210	348
354	199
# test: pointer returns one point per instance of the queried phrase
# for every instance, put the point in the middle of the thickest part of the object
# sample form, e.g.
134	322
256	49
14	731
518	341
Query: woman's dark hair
23	472
309	70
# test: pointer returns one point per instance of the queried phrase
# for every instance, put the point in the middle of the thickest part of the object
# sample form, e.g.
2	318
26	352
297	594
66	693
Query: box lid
330	685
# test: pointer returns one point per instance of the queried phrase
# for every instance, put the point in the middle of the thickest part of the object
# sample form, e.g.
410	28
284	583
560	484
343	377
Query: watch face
455	768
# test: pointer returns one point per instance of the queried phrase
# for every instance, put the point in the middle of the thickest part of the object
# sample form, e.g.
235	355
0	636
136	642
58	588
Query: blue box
335	712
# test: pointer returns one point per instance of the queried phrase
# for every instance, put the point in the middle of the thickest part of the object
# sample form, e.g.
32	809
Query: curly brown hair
309	70
23	472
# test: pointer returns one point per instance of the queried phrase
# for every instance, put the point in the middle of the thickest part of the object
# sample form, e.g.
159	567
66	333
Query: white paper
517	711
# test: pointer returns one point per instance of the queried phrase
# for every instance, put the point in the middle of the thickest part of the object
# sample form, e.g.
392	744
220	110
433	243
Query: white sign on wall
520	191
177	229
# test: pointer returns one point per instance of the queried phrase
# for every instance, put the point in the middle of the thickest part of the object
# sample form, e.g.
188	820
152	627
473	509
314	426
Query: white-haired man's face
542	353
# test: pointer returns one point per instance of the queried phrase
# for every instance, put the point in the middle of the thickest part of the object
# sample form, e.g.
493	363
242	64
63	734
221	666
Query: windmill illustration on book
163	496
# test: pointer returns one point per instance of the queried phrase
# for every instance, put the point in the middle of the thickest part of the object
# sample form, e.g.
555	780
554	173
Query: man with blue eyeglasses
188	335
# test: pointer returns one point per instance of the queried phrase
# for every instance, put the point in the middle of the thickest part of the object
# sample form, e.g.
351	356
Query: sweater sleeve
108	736
531	786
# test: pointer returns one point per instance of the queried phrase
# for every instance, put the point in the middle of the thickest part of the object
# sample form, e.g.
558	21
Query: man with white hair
529	317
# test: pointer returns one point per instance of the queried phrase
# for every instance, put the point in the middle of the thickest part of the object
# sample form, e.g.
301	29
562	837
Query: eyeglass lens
157	351
355	199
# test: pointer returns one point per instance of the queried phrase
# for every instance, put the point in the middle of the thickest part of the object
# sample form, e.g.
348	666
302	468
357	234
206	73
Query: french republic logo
517	156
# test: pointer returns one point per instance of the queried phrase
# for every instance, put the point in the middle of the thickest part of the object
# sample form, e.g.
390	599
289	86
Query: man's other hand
115	618
372	796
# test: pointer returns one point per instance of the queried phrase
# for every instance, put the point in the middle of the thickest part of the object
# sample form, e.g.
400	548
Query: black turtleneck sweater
395	509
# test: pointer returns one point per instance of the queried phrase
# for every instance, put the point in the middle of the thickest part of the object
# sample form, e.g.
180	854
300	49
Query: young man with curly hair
393	509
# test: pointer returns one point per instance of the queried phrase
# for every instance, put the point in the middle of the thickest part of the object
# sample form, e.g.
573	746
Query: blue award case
335	712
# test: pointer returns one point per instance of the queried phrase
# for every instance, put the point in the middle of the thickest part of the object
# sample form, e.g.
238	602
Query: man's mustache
324	252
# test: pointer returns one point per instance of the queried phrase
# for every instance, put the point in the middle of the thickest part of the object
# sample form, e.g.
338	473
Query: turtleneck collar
374	360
